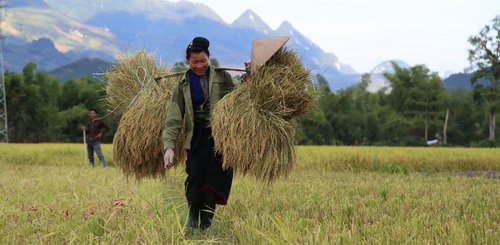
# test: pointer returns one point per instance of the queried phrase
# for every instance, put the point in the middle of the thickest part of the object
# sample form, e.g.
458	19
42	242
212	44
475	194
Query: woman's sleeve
174	120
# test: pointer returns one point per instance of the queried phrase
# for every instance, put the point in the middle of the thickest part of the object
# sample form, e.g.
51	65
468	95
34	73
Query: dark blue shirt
197	96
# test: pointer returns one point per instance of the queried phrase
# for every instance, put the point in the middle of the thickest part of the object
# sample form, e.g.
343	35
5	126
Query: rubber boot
194	216
208	210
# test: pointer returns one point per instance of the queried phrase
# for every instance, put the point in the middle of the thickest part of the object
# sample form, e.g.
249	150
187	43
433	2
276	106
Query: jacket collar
211	75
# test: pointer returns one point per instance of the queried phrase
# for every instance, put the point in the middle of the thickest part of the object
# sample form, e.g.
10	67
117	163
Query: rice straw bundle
253	126
142	104
125	79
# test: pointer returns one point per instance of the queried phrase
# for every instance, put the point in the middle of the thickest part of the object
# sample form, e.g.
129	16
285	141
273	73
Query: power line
4	126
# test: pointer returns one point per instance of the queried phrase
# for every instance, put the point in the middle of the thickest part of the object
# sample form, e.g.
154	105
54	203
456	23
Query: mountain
106	28
84	67
387	66
461	81
42	52
168	38
250	20
377	78
153	9
31	23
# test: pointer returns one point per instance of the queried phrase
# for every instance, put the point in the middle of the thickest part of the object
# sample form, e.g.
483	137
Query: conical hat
263	49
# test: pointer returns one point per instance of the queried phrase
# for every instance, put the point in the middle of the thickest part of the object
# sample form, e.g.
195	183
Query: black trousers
204	167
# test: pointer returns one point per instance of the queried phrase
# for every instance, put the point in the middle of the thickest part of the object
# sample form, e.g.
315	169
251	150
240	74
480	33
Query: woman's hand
168	158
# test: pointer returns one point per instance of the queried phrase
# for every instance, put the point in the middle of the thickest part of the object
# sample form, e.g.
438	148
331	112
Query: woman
207	184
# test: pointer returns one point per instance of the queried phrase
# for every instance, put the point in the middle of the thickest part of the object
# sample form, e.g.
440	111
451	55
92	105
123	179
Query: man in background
94	133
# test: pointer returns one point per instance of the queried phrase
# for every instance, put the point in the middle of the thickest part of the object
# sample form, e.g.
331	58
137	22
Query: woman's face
198	62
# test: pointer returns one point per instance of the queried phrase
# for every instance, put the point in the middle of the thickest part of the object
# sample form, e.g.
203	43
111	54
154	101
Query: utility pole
4	126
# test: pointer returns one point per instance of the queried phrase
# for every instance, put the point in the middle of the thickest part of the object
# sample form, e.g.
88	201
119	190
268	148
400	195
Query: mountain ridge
111	27
83	67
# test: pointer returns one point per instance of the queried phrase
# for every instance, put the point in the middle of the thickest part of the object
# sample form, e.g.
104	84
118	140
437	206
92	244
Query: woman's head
197	55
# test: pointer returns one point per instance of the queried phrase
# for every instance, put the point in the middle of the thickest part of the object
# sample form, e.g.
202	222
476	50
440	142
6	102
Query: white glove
168	158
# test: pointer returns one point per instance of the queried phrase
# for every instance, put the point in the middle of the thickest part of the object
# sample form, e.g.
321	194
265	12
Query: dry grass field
333	195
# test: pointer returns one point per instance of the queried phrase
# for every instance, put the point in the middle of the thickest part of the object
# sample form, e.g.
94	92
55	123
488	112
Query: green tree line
412	111
42	109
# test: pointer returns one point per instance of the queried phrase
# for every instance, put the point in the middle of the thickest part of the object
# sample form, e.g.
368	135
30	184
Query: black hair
198	45
94	110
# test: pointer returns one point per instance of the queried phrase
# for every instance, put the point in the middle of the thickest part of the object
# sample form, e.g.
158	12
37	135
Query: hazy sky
363	33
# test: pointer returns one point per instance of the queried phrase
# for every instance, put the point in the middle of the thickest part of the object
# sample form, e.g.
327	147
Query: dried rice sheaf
141	103
253	126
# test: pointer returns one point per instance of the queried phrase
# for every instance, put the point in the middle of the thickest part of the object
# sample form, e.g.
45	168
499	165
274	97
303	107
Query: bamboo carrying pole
182	72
